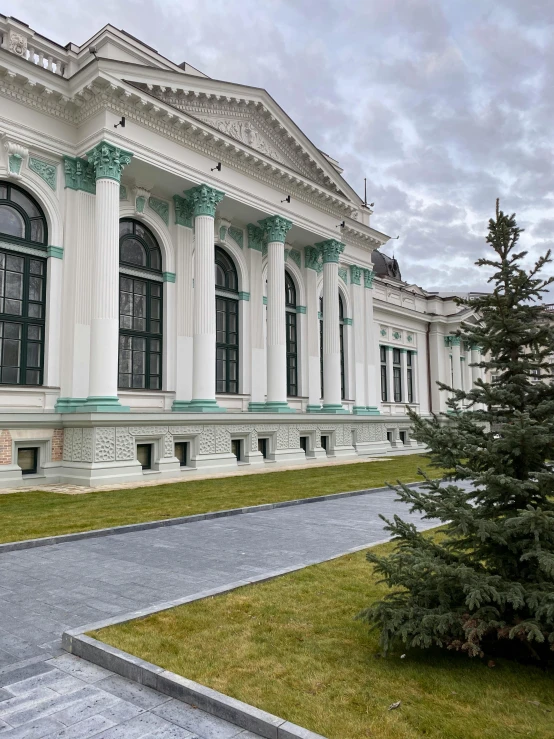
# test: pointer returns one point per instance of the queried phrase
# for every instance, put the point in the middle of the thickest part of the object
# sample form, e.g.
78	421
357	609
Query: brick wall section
57	445
5	447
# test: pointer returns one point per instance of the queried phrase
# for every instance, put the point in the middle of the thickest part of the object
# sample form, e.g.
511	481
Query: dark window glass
227	323
291	336
384	376
27	459
182	452
236	448
22	295
20	215
144	456
140	310
396	375
262	447
304	444
410	377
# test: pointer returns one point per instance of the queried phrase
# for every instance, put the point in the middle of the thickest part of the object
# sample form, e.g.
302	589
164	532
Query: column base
313	409
365	410
204	406
256	407
180	406
102	404
68	405
272	406
334	408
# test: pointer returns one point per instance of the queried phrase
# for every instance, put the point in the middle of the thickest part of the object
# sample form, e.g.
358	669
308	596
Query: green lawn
30	515
291	646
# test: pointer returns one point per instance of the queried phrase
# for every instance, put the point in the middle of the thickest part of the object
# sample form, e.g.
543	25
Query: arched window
140	307
227	323
292	336
22	287
341	333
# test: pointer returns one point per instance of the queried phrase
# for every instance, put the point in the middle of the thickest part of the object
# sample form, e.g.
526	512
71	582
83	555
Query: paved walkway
47	693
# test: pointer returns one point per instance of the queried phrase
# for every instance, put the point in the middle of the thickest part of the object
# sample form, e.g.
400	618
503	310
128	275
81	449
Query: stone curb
181	688
45	541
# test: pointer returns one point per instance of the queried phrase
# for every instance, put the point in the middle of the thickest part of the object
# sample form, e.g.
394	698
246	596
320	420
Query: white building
186	281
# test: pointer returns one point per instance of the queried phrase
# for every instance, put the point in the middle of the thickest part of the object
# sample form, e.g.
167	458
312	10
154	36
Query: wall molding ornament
160	207
108	160
331	249
355	274
255	237
45	170
16	154
275	229
122	192
183	211
79	174
237	234
294	256
368	278
141	196
205	200
312	258
343	274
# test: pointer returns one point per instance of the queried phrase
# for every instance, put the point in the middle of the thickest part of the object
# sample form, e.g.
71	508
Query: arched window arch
292	336
227	323
341	333
22	287
140	307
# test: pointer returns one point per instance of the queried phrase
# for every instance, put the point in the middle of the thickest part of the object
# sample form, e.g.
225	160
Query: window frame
410	376
28	220
227	295
291	328
383	351
397	375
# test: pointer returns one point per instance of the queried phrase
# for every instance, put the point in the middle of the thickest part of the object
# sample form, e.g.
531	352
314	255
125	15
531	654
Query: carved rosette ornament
205	200
275	228
108	161
330	250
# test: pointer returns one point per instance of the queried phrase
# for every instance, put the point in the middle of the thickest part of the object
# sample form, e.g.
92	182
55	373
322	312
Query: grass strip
29	515
291	646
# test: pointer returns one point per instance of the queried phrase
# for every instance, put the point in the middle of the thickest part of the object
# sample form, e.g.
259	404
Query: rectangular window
410	373
402	435
397	375
182	452
384	378
325	442
292	356
304	444
227	345
22	306
262	447
140	334
144	456
236	448
390	436
27	459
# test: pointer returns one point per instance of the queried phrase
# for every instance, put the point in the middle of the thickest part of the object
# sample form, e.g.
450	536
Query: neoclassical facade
187	282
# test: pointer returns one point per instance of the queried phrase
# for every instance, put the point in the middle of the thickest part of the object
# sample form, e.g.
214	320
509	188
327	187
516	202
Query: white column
475	358
332	401
311	262
275	230
373	358
359	331
205	200
184	302
404	374
54	292
390	378
258	371
456	362
108	162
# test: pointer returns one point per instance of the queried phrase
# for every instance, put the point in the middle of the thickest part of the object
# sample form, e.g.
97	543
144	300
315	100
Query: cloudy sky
443	105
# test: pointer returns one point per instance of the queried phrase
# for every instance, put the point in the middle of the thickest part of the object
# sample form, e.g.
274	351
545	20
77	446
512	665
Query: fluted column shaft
456	363
404	374
475	358
332	400
276	329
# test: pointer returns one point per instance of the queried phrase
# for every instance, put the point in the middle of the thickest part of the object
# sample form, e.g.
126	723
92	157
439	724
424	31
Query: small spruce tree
485	584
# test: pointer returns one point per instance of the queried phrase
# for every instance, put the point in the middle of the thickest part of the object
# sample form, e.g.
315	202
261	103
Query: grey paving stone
79	668
85	708
122	711
4	695
54	703
207	726
43	727
146	725
132	692
89	727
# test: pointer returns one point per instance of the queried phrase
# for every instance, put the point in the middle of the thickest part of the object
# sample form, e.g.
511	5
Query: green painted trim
330	250
237	234
264	300
55	251
368	278
108	161
122	192
256	407
102	404
355	274
244	296
294	254
312	258
255	237
402	350
275	228
360	410
343	274
183	211
320	315
14	163
373	410
79	175
140	202
205	200
168	276
347	321
301	309
205	406
160	207
278	406
46	171
313	409
180	406
222	233
335	409
68	405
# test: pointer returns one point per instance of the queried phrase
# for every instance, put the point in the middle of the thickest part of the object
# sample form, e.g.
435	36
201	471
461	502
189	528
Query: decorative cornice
48	172
368	278
108	160
168	276
79	174
312	258
205	200
183	211
160	207
255	237
330	250
237	234
275	229
355	274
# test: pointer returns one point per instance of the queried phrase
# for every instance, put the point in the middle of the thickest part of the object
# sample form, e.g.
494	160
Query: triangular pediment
251	124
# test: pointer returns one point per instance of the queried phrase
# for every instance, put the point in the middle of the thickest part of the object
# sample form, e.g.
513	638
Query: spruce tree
485	583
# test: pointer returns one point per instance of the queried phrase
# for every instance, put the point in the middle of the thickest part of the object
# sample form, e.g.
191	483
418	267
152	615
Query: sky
444	105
